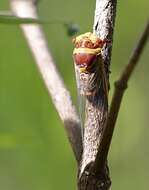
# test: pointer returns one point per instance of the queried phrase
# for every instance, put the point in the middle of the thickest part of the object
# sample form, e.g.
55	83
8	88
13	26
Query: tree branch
120	87
90	176
53	82
104	21
105	14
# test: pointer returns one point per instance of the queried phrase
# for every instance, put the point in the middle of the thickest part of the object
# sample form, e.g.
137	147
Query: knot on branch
91	181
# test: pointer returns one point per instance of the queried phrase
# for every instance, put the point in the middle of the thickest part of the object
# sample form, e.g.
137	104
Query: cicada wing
82	105
98	82
81	98
88	84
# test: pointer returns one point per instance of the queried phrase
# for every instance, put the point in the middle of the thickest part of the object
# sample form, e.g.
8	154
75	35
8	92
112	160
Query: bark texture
93	172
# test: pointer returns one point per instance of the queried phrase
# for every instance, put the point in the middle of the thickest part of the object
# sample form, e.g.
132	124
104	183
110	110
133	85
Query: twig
120	87
53	82
91	177
104	21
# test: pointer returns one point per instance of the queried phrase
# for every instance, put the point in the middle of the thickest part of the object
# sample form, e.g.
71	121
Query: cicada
89	67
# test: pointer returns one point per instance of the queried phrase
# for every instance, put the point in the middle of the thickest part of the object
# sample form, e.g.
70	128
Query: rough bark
93	172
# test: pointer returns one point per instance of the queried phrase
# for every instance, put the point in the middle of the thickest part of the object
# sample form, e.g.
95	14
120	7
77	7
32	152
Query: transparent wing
81	99
88	85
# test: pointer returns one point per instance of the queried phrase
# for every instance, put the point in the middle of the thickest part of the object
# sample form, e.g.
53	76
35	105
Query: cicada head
87	48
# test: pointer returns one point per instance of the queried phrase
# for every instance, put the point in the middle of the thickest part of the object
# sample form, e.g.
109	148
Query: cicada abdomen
92	86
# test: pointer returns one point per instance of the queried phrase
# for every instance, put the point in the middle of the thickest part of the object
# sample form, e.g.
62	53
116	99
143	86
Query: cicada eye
88	44
99	43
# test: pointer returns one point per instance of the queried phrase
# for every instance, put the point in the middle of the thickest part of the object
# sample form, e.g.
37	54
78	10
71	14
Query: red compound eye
88	44
99	43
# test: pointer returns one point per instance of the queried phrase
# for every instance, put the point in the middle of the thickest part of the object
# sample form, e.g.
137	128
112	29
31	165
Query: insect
89	68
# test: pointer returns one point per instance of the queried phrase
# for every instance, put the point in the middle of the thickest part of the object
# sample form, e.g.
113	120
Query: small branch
53	82
104	21
120	87
91	177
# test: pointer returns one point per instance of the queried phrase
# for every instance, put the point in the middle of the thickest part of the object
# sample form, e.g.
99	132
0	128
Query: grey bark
60	95
93	172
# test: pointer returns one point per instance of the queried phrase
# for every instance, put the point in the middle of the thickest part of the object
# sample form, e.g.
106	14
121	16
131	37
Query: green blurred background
34	151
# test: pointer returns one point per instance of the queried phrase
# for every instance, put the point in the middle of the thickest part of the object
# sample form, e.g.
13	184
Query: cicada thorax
87	59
